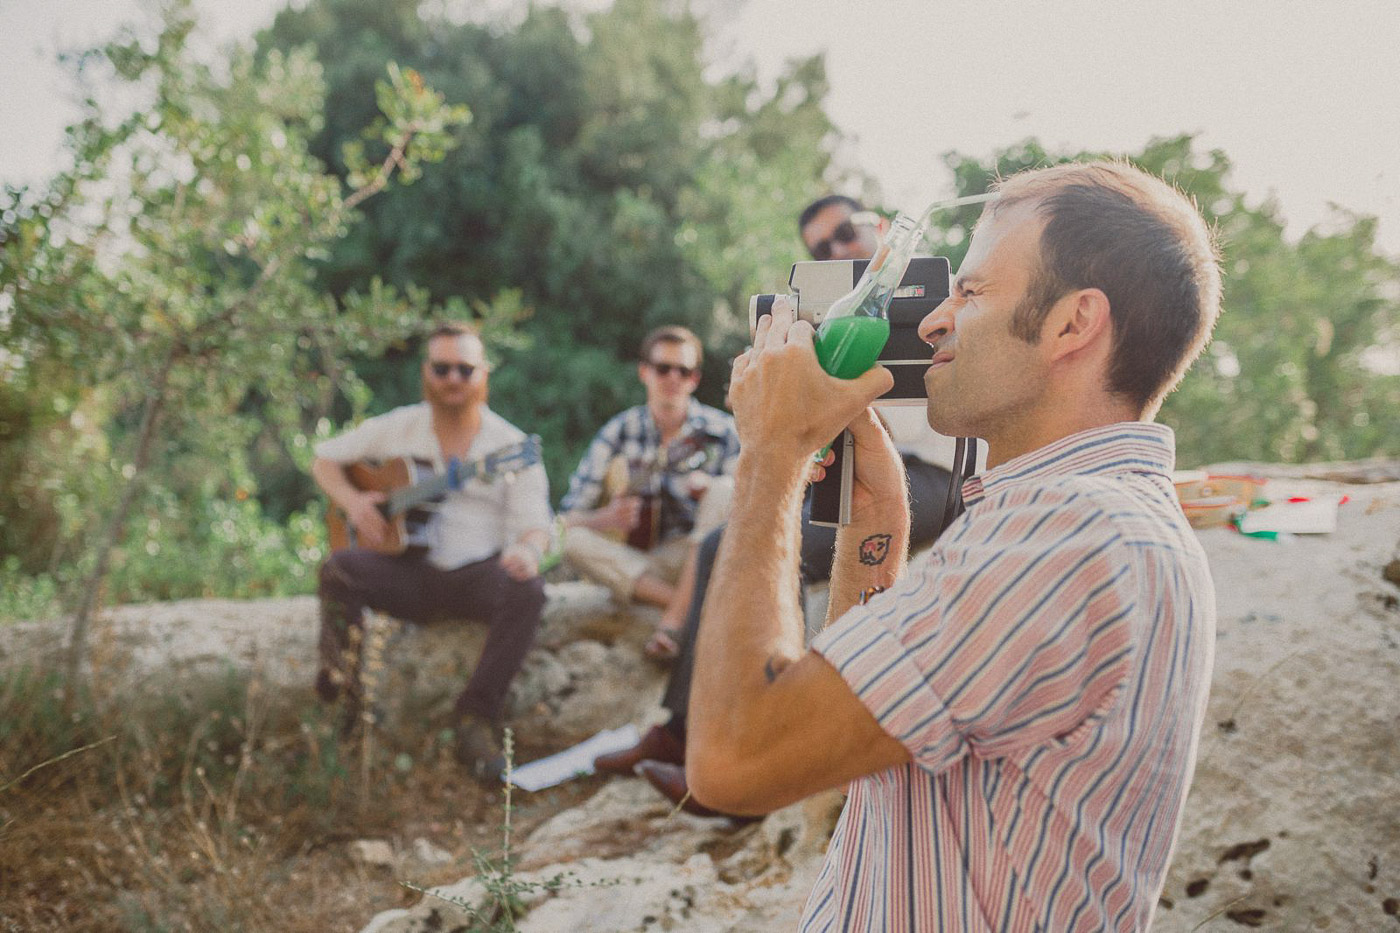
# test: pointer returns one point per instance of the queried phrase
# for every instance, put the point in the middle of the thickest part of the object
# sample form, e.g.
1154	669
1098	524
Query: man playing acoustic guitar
482	551
655	479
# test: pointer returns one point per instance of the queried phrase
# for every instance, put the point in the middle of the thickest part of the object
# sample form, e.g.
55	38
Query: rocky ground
1292	822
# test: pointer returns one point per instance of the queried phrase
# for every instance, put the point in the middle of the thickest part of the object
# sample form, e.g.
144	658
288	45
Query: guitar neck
435	486
507	460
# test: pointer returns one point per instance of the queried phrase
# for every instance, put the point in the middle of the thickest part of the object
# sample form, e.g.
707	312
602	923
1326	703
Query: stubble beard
439	400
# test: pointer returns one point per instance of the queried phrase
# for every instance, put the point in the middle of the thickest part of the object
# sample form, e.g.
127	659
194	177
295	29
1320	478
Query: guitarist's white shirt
481	518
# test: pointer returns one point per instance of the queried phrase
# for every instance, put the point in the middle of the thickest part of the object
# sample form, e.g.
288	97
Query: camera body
815	286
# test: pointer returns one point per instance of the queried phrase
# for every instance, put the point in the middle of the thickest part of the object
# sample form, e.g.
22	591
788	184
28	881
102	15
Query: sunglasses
441	370
665	369
844	233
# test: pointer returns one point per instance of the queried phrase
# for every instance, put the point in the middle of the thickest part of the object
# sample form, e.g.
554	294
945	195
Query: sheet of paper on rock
573	762
1317	515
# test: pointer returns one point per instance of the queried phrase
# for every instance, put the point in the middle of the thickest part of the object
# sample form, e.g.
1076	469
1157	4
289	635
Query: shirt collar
1123	447
696	421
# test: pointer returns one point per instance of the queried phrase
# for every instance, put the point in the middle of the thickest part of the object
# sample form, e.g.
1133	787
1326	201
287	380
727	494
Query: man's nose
938	323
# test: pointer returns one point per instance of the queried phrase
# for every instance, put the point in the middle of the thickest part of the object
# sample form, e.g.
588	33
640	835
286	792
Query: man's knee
599	558
335	577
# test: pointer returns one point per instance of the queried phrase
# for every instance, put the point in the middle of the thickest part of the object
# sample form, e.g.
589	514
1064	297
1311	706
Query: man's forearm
870	556
330	476
752	623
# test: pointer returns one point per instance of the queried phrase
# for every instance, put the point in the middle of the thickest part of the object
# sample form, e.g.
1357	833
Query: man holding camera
487	539
664	468
1016	714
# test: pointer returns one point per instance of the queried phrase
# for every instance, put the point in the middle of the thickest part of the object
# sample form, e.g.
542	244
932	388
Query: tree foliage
605	175
169	276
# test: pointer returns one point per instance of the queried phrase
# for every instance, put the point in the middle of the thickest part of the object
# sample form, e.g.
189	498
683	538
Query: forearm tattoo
770	670
874	550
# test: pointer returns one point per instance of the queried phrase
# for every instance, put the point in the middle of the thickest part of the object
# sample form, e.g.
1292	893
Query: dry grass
225	806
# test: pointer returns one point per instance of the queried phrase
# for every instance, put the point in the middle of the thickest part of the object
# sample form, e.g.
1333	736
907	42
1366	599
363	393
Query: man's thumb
874	382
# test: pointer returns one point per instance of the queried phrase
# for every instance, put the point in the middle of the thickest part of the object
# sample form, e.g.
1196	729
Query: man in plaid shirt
672	455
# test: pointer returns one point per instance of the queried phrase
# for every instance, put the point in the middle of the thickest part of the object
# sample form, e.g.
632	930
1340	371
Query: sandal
663	645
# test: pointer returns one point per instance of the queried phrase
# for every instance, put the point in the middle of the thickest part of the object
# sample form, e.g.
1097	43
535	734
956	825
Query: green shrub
26	596
227	548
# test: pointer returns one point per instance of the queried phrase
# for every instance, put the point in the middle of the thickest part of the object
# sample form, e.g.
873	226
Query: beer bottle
857	326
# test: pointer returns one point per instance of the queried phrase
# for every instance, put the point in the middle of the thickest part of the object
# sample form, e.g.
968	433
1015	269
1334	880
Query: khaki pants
619	566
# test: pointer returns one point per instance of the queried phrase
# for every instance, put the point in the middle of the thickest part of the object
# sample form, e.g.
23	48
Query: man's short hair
821	204
1111	226
672	333
451	329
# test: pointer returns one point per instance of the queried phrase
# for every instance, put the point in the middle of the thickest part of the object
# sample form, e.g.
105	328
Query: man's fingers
877	380
760	333
802	334
741	363
775	334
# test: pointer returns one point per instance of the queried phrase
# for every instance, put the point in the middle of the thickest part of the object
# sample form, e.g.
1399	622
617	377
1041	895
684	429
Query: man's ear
1080	320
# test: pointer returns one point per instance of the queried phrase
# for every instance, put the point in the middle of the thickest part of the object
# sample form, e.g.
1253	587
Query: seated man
834	227
655	480
485	542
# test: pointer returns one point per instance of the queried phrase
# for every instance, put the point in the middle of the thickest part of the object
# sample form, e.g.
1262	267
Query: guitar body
411	487
642	481
407	529
647	532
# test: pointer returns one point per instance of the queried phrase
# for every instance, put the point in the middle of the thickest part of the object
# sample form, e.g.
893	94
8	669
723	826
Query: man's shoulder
1122	508
404	416
399	432
1047	506
496	425
395	423
629	420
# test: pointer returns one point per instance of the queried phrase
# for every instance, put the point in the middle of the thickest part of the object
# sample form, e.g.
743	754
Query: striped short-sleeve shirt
1046	664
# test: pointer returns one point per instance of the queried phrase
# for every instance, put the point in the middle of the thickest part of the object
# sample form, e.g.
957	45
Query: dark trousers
412	589
928	485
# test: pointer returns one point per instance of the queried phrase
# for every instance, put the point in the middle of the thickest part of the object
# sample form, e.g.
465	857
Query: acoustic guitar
642	479
411	487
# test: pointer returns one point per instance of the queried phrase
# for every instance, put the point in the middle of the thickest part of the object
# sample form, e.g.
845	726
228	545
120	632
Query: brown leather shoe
477	748
669	779
659	744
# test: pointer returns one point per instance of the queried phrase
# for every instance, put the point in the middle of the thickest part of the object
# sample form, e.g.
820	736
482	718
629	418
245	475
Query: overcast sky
1304	97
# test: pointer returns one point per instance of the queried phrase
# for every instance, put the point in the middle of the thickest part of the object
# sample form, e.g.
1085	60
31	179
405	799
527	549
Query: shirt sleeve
371	439
527	503
1014	633
586	485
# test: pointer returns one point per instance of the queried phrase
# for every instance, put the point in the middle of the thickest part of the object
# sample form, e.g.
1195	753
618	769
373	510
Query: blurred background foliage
608	181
